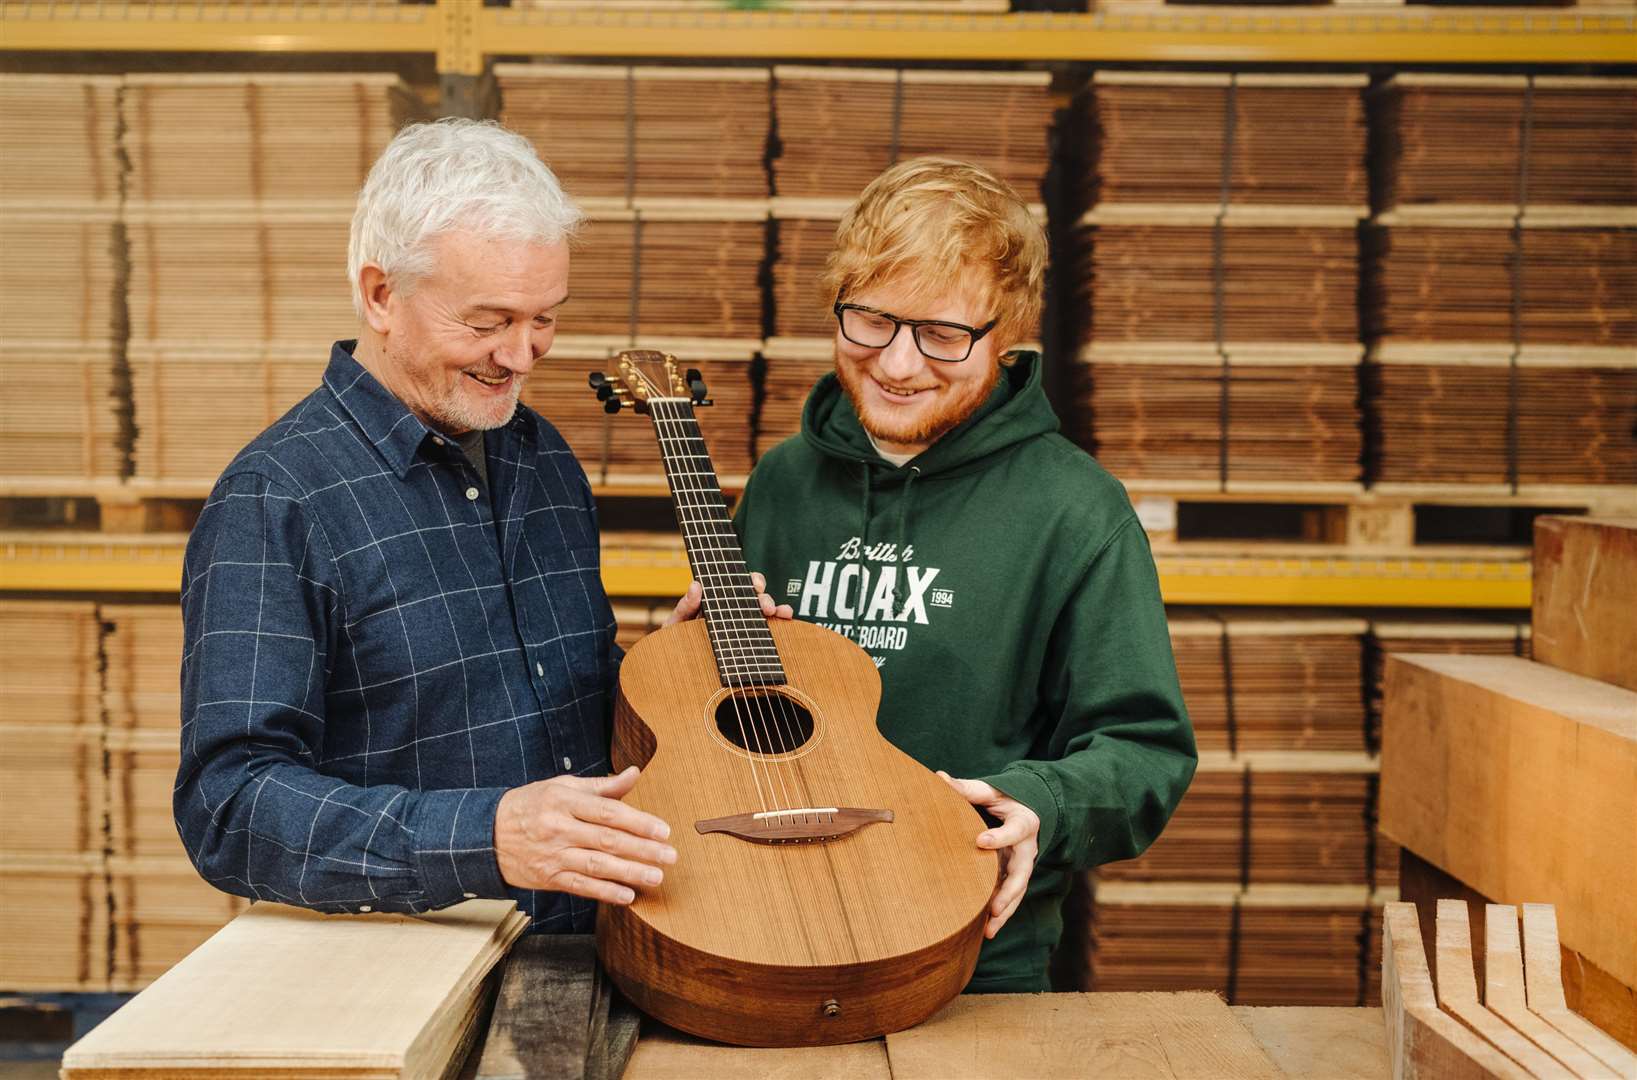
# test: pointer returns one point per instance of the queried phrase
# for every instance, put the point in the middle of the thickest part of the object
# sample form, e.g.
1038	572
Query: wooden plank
1458	992
1335	1043
1421	1040
1544	987
1521	781
1503	992
1126	1035
1585	597
664	1054
542	1020
357	995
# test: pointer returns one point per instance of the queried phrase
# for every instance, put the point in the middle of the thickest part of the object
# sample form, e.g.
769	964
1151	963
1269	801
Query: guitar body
805	941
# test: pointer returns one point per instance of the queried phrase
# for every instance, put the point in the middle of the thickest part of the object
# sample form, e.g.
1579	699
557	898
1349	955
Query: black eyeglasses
937	340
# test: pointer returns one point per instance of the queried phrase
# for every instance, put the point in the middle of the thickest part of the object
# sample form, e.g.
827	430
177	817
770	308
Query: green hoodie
1005	589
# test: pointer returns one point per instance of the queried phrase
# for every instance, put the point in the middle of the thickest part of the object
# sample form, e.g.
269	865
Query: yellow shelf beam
461	33
1344	34
47	562
287	27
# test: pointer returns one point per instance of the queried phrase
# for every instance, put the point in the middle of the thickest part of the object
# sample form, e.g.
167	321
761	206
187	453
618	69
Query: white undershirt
898	460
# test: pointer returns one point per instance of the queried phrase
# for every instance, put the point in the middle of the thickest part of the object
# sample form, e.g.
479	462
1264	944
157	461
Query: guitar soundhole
763	721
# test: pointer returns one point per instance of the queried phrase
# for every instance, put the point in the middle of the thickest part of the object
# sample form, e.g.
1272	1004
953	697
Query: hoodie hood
1015	411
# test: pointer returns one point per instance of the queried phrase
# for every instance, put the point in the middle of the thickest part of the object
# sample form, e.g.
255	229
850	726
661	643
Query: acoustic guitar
827	888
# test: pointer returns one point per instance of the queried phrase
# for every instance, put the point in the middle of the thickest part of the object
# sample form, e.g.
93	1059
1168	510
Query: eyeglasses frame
977	332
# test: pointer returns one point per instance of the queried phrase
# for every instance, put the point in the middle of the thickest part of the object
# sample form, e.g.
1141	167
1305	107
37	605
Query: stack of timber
1215	301
1262	945
281	991
1518	779
1465	636
53	796
872	7
1521	1026
615	133
839	128
227	214
60	262
636	619
1498	285
161	908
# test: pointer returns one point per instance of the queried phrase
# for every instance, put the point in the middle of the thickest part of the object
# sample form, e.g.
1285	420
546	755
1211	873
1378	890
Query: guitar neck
745	652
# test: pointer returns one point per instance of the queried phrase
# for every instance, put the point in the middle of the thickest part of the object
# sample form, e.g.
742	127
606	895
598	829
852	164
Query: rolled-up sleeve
258	815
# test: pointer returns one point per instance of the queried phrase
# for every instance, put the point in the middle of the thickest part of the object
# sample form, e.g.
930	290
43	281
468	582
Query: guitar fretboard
745	652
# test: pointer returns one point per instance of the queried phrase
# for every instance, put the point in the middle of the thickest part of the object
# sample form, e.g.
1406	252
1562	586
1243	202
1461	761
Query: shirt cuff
1030	788
454	836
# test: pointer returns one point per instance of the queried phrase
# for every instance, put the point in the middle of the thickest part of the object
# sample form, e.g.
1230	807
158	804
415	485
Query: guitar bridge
805	825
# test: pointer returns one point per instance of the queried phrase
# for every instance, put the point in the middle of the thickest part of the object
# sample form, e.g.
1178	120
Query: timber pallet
1351	517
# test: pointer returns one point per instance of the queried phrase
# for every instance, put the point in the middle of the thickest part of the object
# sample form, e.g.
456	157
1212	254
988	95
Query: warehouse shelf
1283	576
462	32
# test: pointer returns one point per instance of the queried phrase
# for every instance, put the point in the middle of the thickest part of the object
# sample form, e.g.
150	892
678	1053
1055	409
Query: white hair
454	173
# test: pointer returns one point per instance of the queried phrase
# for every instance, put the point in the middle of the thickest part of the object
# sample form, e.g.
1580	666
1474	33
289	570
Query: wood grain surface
1585	597
1504	994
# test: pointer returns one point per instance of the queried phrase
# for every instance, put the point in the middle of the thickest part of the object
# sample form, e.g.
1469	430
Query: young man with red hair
997	575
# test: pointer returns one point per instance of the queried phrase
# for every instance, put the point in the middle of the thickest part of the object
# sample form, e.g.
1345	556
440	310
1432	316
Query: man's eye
545	322
485	329
943	335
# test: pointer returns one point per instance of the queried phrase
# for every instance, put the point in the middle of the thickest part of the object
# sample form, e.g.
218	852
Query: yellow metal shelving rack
463	33
90	562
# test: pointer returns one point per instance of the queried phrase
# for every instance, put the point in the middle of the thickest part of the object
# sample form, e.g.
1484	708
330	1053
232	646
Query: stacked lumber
872	7
803	244
379	996
228	216
1581	148
1299	945
1497	285
53	794
1263	682
793	366
162	911
1521	1027
60	261
839	128
1308	818
1214	277
1160	138
634	620
615	132
142	651
1162	936
621	449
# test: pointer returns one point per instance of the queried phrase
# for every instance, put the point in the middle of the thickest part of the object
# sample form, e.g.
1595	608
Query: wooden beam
1424	1042
1503	993
1544	986
1585	600
1521	781
1458	992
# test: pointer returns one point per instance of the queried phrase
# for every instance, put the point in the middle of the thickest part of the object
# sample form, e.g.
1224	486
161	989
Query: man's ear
378	292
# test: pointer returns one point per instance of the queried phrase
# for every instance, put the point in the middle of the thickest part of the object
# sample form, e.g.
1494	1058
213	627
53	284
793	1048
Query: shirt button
439	441
364	908
470	895
471	494
567	764
540	669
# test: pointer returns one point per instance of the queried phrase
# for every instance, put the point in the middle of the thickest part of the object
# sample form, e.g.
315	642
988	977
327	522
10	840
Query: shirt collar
394	431
386	422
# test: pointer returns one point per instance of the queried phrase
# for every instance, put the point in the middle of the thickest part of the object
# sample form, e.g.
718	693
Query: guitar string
772	710
692	495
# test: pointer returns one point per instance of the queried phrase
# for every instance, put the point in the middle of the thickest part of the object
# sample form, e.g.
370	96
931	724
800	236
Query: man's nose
901	360
515	350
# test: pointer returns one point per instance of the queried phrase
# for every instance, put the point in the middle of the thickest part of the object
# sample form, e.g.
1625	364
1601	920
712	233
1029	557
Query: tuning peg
596	379
612	405
693	376
605	391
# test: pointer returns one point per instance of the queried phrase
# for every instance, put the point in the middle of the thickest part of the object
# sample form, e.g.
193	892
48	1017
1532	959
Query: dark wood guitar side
828	888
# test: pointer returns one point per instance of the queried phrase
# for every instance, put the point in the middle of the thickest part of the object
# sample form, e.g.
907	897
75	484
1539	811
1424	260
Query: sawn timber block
1585	597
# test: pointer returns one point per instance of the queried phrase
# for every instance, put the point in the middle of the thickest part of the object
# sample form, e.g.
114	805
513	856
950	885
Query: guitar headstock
640	375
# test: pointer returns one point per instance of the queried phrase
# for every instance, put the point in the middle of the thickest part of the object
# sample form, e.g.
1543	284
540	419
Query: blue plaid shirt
378	646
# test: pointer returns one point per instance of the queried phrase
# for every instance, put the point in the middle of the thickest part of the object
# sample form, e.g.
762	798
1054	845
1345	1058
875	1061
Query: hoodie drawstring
903	534
863	541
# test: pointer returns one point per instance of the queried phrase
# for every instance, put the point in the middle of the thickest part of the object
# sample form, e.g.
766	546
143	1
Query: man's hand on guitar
1014	839
688	607
572	834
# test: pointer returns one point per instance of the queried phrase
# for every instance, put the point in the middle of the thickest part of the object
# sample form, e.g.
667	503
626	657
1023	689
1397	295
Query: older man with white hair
399	658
